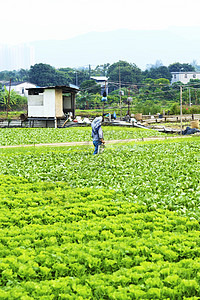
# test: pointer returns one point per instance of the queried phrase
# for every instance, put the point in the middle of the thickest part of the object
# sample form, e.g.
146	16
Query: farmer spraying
97	134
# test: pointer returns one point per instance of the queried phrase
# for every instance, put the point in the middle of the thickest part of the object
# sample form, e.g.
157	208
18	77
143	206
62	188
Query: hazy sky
30	20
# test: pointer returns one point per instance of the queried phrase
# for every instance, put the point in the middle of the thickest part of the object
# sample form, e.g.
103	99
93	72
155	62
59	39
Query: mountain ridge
141	47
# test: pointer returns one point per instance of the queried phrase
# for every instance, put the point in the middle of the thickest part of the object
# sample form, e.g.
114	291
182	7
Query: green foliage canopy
152	84
128	73
91	86
178	67
160	72
46	75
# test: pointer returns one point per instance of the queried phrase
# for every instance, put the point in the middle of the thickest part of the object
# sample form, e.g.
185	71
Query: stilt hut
50	106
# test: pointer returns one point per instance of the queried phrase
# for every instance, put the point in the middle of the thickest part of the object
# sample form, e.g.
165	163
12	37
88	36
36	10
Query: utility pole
104	94
120	96
129	99
189	98
8	100
104	98
195	96
181	108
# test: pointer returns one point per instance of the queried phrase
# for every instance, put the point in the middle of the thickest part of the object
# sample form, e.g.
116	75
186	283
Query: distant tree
176	85
23	75
91	86
46	75
81	75
69	73
194	83
156	73
162	82
100	70
178	67
82	99
129	74
42	74
7	75
75	76
148	84
15	76
60	78
148	107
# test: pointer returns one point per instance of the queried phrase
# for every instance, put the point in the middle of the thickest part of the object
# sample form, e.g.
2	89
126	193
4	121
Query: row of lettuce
121	225
21	136
159	175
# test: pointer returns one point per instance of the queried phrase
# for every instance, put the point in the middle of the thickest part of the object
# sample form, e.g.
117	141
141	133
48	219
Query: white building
20	87
184	77
52	103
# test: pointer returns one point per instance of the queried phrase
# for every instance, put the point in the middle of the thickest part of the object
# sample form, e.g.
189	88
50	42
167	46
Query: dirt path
89	143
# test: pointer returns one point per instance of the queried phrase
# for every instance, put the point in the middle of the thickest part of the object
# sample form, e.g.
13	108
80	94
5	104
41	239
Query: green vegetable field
21	136
120	225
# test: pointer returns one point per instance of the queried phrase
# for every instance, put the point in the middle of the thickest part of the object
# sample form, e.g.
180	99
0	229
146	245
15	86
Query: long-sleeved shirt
97	135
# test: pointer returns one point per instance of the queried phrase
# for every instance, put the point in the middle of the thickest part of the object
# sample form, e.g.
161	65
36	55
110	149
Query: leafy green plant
124	224
21	136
